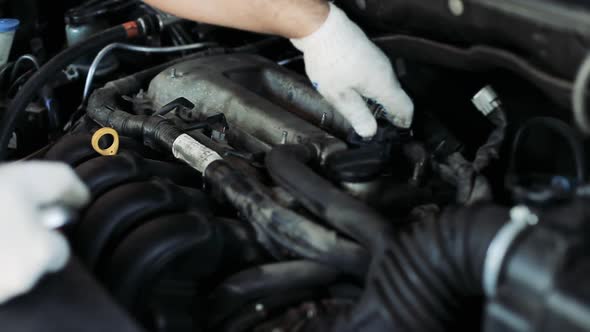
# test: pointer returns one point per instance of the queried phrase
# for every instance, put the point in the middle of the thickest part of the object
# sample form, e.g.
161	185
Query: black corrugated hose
421	280
421	275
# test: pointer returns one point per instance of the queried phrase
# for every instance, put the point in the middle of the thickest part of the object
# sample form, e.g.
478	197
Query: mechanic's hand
28	249
344	65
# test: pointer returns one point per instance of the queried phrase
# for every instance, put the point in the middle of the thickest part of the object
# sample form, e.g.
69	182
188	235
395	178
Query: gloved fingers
59	251
15	284
47	183
397	105
33	253
354	109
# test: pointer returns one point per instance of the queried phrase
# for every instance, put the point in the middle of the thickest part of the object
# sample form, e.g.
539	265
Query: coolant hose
129	30
259	282
284	227
287	165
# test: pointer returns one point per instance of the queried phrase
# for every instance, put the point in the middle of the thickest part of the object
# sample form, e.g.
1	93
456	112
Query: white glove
344	65
28	249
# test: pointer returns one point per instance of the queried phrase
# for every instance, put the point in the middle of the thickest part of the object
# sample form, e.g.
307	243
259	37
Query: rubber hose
420	281
283	227
280	226
104	100
247	320
241	248
263	281
103	109
574	143
287	166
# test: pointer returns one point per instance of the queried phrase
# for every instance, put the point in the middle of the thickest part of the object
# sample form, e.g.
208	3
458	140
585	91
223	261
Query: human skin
286	18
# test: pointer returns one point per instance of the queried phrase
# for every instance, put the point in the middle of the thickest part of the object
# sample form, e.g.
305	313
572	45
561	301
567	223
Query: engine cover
255	95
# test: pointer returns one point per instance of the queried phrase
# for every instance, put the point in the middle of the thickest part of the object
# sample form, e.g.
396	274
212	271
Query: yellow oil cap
111	150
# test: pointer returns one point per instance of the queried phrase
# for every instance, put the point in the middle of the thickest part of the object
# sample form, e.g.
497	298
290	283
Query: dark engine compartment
473	219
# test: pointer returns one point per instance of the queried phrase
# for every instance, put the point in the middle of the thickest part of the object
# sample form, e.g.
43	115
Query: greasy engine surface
254	94
239	199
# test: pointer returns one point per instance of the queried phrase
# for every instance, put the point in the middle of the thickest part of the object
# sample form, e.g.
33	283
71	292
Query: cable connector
486	100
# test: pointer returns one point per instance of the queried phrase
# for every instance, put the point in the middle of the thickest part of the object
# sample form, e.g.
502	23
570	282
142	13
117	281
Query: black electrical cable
491	149
467	176
18	82
50	69
19	62
6	68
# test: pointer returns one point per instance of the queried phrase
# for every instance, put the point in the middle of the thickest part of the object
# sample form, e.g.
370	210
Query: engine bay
229	195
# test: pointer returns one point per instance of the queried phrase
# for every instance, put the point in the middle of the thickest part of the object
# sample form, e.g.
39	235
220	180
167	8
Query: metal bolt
259	307
173	73
457	7
72	73
285	136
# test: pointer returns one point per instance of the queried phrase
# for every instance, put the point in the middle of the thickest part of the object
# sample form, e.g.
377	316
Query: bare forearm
287	18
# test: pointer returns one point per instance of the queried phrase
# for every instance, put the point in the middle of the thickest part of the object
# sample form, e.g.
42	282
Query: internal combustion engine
229	195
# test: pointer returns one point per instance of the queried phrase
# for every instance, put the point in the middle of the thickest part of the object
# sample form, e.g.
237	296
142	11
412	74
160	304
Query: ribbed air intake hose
419	282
